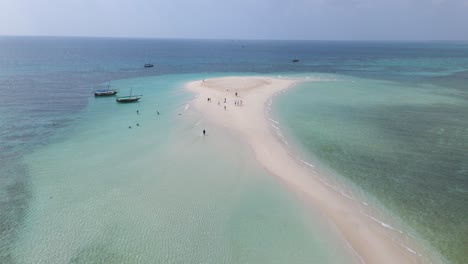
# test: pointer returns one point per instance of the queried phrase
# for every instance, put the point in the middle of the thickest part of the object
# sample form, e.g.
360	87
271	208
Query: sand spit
245	113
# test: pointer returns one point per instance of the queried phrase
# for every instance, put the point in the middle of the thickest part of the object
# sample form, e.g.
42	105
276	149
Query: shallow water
60	146
406	145
161	193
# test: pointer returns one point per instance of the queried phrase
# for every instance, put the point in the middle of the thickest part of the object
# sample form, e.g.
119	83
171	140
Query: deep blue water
46	81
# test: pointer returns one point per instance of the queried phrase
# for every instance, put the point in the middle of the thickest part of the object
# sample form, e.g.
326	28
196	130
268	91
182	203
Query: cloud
276	19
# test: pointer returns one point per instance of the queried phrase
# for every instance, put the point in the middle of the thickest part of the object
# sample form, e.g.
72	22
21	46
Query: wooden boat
129	99
106	92
149	65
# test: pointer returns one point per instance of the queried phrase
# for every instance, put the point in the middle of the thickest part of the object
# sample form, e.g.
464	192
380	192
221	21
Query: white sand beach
371	242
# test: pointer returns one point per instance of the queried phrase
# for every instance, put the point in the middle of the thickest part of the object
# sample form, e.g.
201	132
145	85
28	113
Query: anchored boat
129	99
106	92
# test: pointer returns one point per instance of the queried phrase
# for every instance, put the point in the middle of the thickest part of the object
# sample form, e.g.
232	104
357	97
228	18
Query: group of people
236	103
138	112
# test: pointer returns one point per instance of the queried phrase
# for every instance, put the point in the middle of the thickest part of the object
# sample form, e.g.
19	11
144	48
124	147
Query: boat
106	92
295	60
129	99
149	65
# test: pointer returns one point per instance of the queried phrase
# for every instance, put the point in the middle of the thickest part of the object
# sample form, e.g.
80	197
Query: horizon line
237	39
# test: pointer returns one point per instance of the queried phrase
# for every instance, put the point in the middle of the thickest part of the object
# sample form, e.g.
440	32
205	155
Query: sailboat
106	92
129	99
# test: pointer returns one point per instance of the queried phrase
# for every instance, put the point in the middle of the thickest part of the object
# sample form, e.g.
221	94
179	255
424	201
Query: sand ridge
371	242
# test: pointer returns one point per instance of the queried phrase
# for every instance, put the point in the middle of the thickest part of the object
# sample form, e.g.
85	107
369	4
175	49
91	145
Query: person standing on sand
204	132
224	99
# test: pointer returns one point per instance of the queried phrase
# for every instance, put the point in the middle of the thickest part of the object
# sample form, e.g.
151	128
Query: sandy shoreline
371	242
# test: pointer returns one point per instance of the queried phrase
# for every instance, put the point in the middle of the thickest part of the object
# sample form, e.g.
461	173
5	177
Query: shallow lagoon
161	193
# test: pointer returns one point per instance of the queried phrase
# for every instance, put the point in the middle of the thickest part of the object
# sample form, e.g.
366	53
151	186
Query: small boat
295	60
106	92
149	65
129	99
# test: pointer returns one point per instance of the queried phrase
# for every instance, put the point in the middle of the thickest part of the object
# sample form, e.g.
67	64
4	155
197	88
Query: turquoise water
77	185
406	145
160	192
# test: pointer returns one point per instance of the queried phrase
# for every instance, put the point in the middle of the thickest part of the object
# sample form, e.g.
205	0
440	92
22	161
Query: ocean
389	121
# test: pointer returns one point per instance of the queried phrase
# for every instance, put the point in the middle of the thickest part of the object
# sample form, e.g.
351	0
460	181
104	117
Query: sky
239	19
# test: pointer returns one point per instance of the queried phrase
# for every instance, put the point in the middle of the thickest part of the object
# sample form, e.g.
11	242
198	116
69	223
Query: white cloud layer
251	19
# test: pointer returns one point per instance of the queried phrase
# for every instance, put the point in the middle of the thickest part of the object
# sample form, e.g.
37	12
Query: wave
272	120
